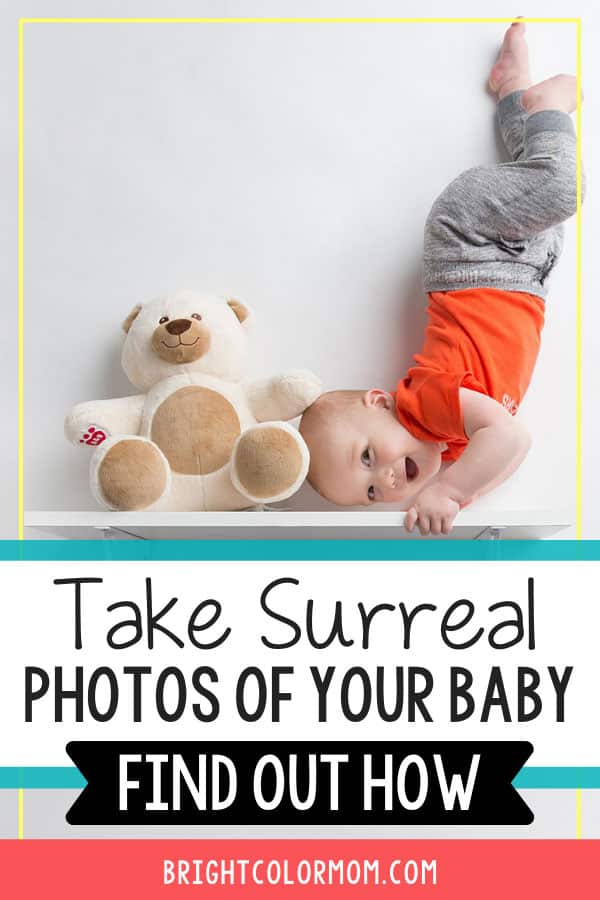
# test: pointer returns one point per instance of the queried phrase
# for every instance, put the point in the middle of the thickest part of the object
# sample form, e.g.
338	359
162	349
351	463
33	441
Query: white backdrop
289	165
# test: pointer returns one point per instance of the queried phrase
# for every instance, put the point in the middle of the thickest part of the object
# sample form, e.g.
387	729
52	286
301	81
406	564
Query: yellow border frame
376	20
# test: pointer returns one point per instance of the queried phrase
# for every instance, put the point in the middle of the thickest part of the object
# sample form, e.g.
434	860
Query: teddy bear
195	437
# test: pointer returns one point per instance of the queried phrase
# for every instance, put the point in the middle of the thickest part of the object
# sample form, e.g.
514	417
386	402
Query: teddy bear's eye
163	319
197	316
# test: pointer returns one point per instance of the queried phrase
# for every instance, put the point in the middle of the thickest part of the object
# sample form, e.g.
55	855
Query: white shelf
472	524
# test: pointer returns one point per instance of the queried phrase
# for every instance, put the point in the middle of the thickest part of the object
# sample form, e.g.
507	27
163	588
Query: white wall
289	165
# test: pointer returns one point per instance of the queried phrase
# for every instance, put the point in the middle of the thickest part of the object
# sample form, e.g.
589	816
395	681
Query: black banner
299	783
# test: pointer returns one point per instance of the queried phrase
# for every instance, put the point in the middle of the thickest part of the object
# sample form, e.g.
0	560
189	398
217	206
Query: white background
44	609
292	166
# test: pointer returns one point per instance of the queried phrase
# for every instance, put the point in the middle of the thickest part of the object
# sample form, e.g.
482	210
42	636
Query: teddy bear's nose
178	326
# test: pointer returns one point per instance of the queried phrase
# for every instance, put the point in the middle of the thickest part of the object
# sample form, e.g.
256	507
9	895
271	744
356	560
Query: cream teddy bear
194	438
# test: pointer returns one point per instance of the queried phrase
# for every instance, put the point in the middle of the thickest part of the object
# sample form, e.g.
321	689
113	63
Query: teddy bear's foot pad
269	462
132	475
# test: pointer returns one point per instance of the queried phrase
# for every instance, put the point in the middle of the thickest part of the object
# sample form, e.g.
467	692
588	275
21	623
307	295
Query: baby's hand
433	511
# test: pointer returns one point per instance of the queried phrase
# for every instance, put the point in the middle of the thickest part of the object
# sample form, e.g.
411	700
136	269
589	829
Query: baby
491	241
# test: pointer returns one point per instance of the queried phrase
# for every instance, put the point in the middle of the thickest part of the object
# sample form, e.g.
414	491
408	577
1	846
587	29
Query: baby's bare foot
559	92
511	72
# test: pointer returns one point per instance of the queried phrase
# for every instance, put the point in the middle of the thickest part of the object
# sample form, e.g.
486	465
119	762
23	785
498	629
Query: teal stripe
301	550
534	778
558	777
32	777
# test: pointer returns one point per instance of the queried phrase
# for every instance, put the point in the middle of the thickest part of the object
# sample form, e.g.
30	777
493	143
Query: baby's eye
371	493
365	457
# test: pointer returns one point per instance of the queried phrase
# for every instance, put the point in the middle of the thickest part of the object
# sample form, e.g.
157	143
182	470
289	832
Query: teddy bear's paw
130	474
269	462
301	388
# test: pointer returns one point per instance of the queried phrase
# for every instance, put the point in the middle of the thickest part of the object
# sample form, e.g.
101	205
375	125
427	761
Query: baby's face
369	457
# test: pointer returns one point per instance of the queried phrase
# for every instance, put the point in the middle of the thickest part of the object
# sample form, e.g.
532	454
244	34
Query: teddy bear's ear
241	311
131	318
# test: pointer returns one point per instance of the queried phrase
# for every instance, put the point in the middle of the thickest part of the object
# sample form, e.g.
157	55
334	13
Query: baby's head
359	451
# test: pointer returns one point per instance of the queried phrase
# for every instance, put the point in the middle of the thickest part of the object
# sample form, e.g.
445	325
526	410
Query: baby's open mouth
412	469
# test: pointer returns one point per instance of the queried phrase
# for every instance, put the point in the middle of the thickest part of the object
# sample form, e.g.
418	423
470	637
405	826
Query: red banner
466	870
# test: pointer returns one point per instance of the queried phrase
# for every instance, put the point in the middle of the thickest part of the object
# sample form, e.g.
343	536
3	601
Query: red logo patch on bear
93	436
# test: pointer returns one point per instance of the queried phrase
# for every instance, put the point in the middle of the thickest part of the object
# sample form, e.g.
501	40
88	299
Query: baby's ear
241	311
376	397
131	318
